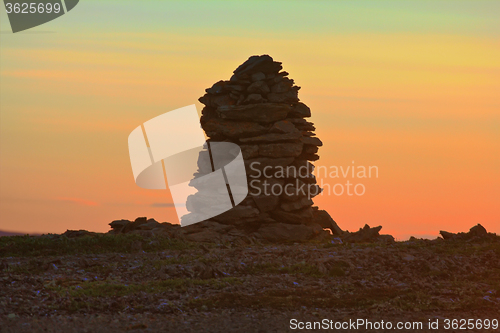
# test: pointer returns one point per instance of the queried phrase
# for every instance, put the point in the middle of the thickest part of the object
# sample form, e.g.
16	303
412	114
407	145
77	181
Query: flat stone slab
273	137
262	113
233	129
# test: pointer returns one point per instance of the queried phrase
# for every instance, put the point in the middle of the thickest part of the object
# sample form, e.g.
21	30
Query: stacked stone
259	109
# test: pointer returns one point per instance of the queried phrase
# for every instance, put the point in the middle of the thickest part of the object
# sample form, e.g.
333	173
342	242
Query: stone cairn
259	109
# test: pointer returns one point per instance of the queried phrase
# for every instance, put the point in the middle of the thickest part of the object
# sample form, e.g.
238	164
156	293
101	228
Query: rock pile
476	233
140	224
210	231
259	109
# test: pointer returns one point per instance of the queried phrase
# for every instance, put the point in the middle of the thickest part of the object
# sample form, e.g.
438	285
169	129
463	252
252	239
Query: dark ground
119	283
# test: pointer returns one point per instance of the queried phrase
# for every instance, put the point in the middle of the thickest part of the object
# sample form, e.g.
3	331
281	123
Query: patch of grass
47	245
111	289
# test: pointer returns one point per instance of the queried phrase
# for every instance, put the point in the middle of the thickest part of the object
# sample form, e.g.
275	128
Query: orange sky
421	104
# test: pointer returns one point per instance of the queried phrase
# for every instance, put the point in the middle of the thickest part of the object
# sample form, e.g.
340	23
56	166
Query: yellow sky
422	106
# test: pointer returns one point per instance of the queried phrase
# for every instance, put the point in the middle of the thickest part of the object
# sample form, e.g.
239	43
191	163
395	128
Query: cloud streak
78	201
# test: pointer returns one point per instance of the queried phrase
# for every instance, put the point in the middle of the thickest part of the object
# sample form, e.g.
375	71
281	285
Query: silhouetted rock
367	235
259	109
447	235
476	233
325	220
78	233
261	113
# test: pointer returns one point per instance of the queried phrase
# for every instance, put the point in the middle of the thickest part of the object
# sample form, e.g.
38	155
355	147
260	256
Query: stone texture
273	165
478	232
266	203
297	204
254	98
256	64
263	112
233	129
258	87
365	235
273	137
314	141
280	149
300	110
249	151
237	212
258	76
283	126
324	219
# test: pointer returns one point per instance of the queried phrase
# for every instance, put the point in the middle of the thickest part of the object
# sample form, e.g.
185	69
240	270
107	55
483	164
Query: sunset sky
409	87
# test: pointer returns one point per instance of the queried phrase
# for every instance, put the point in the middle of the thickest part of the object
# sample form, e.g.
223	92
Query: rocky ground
84	282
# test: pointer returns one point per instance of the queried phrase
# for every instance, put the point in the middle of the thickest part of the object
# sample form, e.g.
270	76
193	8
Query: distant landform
8	233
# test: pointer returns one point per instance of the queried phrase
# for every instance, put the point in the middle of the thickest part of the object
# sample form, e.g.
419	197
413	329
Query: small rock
281	87
408	258
258	87
217	88
254	98
336	240
288	97
148	226
324	219
300	110
283	126
118	224
273	137
312	141
258	76
366	234
478	231
255	64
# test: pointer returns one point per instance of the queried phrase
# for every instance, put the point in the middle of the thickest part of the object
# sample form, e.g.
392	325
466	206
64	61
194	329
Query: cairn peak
259	110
